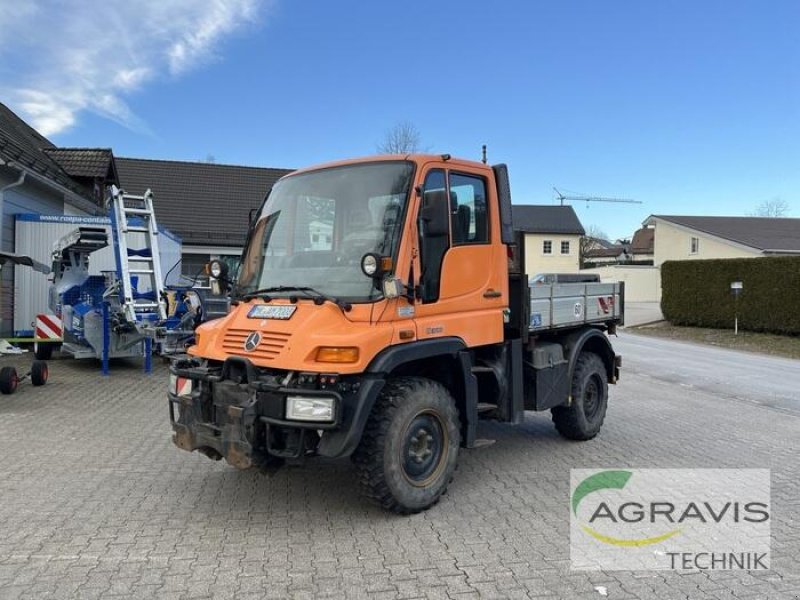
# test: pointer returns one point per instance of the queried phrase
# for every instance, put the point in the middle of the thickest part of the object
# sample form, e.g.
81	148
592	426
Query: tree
403	138
592	239
775	207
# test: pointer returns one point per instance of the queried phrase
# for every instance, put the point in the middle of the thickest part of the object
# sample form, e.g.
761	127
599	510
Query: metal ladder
132	214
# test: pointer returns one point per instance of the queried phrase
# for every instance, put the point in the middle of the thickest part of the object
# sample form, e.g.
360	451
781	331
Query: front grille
270	347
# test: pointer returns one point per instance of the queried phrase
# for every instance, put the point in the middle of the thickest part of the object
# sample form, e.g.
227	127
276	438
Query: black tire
8	380
43	351
583	419
409	448
39	372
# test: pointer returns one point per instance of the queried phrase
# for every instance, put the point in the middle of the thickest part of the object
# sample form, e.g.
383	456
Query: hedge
698	293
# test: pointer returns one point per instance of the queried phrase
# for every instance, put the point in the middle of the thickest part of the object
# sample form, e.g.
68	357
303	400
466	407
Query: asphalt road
767	381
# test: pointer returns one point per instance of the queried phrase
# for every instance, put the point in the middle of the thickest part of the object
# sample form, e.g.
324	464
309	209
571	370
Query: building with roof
207	204
39	178
695	238
552	237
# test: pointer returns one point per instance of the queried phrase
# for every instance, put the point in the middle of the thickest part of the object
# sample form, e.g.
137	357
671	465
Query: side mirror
434	213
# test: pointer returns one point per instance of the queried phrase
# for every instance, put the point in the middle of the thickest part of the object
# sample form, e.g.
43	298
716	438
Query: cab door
462	283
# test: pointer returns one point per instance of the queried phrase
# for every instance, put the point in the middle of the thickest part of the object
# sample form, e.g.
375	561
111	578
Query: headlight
369	264
305	408
217	269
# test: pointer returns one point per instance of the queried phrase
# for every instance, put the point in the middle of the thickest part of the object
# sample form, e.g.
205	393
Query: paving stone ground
95	502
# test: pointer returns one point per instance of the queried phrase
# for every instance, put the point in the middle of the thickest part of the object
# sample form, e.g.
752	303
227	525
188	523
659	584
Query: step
482	443
137	211
140	271
482	369
137	229
486	407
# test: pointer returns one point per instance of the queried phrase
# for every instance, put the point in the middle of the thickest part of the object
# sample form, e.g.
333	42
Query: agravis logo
603	481
670	519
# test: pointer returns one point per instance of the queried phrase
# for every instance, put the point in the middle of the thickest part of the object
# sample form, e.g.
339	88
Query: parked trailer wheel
409	449
39	373
43	351
583	419
9	380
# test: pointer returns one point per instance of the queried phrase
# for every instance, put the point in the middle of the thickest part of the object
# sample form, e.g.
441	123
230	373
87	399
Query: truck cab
379	311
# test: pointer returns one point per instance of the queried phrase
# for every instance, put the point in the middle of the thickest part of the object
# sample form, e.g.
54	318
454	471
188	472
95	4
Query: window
468	210
433	247
565	247
547	247
695	246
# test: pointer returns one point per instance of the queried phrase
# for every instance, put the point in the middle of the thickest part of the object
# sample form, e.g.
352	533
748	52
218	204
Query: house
552	237
642	248
692	238
597	252
207	204
674	237
39	178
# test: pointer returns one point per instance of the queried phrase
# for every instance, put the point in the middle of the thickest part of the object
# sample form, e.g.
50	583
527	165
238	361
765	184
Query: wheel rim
591	397
424	448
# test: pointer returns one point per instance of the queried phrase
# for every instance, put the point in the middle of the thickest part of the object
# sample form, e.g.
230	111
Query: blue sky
690	107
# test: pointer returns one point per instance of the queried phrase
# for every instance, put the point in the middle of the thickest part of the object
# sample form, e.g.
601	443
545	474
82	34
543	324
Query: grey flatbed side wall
573	304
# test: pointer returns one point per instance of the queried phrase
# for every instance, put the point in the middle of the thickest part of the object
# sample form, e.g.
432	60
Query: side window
468	210
547	247
432	247
565	247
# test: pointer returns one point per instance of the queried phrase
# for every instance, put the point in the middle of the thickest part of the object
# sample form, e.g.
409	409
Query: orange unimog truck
381	309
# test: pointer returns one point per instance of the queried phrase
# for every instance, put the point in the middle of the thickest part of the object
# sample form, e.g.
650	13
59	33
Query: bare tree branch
771	208
403	138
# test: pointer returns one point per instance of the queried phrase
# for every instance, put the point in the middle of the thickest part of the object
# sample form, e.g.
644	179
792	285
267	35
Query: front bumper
237	412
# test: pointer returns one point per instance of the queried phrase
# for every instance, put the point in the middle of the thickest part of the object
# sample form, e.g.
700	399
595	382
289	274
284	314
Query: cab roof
419	159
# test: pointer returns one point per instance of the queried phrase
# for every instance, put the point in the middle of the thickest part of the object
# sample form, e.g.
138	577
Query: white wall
536	261
673	242
642	283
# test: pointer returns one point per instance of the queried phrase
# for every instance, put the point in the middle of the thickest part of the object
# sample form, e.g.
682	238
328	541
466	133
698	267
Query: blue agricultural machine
128	312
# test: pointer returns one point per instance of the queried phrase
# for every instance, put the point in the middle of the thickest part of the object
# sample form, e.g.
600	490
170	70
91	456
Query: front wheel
409	448
583	418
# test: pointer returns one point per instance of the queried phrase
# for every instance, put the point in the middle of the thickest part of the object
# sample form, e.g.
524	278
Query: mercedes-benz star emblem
252	341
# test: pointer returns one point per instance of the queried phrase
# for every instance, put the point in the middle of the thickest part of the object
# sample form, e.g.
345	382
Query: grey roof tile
769	234
83	162
21	143
204	203
546	218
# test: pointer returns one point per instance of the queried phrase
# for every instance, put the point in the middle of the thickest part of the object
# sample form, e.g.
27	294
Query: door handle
490	293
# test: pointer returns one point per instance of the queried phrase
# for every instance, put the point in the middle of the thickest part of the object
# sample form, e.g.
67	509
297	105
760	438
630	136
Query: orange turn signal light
337	354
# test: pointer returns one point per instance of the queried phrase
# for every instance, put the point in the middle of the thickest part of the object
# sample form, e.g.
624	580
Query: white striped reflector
48	327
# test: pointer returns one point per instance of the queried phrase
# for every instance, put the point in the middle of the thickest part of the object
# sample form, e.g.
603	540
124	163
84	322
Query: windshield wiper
315	295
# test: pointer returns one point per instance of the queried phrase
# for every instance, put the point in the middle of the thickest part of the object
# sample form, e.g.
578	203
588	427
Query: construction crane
561	197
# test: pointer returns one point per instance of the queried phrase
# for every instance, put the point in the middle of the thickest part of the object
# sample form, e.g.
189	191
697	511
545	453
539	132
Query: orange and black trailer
380	310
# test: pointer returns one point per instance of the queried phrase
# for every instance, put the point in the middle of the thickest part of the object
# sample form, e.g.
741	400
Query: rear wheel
8	380
39	372
583	418
409	449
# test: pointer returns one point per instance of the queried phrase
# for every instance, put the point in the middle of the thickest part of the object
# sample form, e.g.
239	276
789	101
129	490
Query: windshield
316	226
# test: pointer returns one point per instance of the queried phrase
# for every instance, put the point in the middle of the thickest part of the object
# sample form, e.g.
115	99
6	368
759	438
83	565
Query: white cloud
69	56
